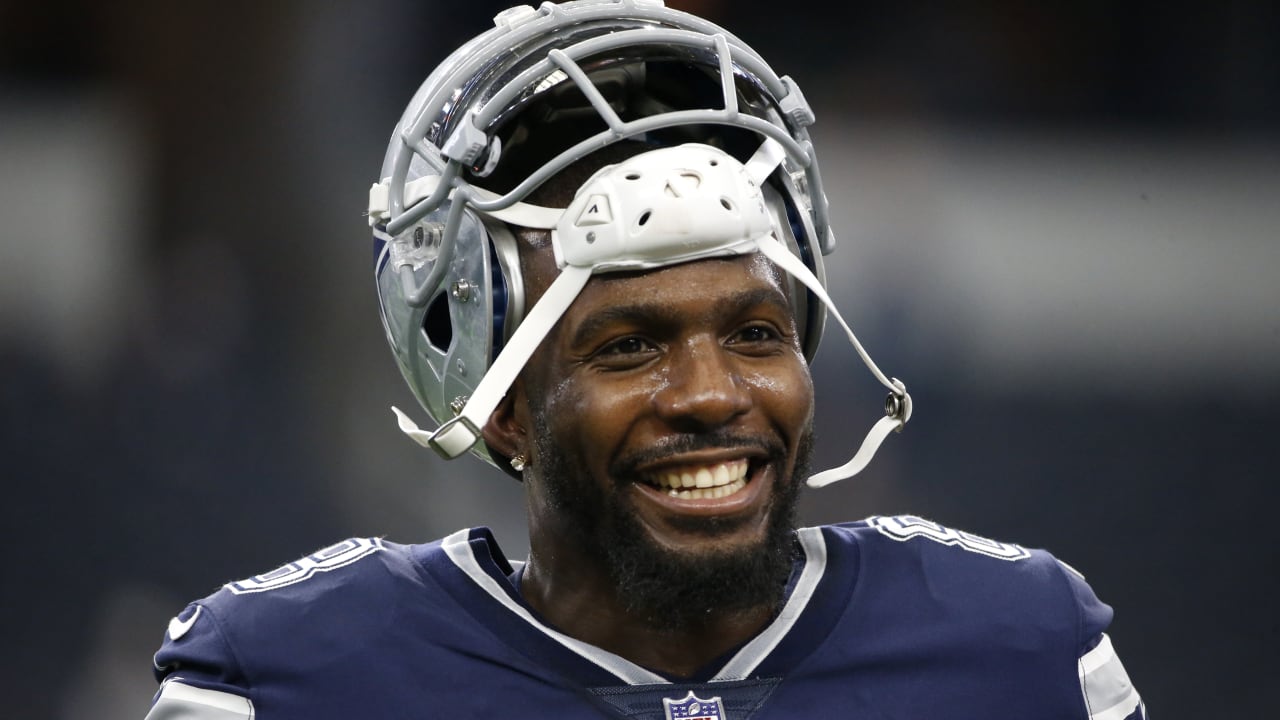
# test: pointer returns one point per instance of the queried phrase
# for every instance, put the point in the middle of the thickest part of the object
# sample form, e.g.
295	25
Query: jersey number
905	527
330	558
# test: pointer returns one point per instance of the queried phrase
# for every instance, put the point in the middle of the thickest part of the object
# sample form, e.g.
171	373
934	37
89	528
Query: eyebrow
658	313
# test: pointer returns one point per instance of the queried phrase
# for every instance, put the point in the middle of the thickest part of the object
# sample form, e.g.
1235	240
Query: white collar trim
741	665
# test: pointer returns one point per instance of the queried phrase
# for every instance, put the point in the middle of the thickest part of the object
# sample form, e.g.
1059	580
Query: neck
573	595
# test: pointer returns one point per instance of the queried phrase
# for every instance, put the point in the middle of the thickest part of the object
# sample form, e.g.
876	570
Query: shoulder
334	580
972	576
309	607
1004	630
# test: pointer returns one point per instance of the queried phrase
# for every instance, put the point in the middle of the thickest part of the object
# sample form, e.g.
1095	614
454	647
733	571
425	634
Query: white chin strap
697	202
898	405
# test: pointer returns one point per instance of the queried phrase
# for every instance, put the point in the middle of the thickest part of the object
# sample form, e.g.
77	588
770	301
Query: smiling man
599	233
663	422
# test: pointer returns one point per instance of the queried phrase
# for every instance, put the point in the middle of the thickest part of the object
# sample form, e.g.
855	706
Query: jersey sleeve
1104	683
180	701
200	676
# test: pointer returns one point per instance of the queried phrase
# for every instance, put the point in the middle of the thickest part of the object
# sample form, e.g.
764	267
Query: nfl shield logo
694	708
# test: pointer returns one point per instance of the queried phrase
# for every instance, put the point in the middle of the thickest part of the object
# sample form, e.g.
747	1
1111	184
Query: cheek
591	412
786	394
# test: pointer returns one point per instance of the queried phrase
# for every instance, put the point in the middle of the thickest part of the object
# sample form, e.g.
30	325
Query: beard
677	590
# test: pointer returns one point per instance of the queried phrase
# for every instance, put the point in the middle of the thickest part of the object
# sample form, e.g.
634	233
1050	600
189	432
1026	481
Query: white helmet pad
660	208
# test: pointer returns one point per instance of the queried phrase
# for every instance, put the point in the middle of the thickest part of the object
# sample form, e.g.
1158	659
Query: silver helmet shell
516	105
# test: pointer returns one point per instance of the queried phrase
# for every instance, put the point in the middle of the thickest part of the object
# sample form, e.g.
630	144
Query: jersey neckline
479	577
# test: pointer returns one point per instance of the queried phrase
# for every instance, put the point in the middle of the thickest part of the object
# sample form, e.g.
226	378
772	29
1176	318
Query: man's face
670	414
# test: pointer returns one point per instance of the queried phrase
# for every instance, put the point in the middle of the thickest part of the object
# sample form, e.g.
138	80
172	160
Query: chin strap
897	405
456	436
860	459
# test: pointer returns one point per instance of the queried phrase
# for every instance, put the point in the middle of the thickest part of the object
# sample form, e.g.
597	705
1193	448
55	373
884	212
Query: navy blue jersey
893	617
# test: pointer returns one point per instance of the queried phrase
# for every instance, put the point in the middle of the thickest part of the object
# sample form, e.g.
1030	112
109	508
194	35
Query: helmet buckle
454	437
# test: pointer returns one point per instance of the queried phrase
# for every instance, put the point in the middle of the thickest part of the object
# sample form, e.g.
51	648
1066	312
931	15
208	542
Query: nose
703	390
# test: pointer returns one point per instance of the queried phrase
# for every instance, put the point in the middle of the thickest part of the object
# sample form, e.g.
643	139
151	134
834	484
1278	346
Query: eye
758	339
631	345
755	334
625	352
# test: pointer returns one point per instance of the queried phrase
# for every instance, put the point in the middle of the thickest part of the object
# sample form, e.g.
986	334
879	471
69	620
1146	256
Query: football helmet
719	141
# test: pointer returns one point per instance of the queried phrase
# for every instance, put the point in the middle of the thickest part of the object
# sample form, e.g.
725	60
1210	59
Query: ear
505	432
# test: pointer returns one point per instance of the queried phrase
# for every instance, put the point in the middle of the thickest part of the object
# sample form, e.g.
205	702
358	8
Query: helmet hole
644	218
726	203
436	323
633	176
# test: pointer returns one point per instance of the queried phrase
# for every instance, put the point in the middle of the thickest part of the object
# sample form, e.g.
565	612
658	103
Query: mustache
628	464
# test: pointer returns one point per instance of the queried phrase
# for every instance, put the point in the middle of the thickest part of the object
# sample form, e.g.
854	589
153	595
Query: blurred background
1059	223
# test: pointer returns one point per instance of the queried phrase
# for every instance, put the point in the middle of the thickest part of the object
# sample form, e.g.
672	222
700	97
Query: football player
599	232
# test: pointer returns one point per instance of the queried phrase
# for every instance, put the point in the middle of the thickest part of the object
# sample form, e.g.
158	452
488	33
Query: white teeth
706	493
722	475
704	478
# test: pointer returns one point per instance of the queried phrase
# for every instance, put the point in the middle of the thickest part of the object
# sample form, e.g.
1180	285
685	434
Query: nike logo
178	628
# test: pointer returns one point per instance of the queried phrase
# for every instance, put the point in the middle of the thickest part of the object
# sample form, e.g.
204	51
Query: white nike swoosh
178	628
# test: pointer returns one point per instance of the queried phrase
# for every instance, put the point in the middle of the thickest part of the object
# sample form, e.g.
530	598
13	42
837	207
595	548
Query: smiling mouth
699	482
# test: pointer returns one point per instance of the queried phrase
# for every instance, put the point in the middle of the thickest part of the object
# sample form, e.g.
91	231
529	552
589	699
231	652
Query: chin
679	564
711	565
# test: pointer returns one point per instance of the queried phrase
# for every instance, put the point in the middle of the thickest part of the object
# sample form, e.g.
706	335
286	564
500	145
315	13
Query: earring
518	462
